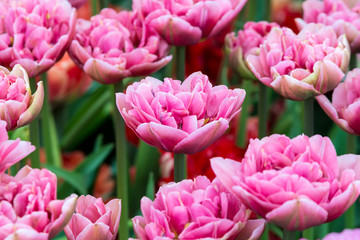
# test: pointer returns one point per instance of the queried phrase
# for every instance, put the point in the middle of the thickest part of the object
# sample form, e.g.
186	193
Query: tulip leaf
93	161
150	186
338	138
76	180
94	110
146	161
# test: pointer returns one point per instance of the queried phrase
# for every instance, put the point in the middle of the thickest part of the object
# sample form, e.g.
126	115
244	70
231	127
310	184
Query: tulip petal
298	214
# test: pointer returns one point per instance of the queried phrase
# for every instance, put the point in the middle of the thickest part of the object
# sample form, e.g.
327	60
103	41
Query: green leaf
76	180
150	186
93	160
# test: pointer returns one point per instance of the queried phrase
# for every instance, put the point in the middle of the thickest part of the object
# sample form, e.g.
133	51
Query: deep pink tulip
179	117
197	209
299	66
114	45
295	183
77	3
29	208
345	107
347	234
342	15
11	151
94	220
187	22
248	41
17	106
35	33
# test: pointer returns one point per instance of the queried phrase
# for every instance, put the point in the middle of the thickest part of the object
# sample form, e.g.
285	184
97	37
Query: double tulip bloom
112	46
246	42
17	106
299	66
94	220
35	33
345	107
29	208
295	183
342	16
187	22
11	151
197	209
179	117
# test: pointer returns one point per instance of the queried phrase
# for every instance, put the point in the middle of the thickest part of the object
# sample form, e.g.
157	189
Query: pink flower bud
17	106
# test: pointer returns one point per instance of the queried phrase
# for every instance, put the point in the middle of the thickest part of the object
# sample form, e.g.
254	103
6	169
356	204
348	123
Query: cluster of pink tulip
293	183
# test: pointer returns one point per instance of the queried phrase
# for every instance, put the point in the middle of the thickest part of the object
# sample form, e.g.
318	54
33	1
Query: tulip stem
309	116
50	136
180	168
308	233
34	133
262	110
94	6
241	130
180	62
121	164
289	235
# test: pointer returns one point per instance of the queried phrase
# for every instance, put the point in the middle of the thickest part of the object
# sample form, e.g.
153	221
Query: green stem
94	7
322	230
353	61
262	110
180	170
350	217
51	140
289	235
308	233
180	62
241	131
34	133
121	164
223	71
309	116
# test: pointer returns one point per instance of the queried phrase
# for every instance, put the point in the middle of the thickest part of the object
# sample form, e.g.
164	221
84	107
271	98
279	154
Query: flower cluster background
179	119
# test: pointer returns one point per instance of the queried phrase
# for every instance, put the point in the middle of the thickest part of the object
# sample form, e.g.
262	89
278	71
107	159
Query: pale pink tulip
341	15
11	151
17	106
345	107
347	234
29	208
35	33
295	183
197	209
187	22
299	66
179	117
94	220
248	41
114	45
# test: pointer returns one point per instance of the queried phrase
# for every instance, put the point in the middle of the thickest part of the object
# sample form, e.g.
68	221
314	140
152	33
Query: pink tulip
345	107
29	208
197	209
342	15
248	41
114	45
179	117
347	234
303	65
11	151
17	106
94	220
187	22
35	33
295	183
